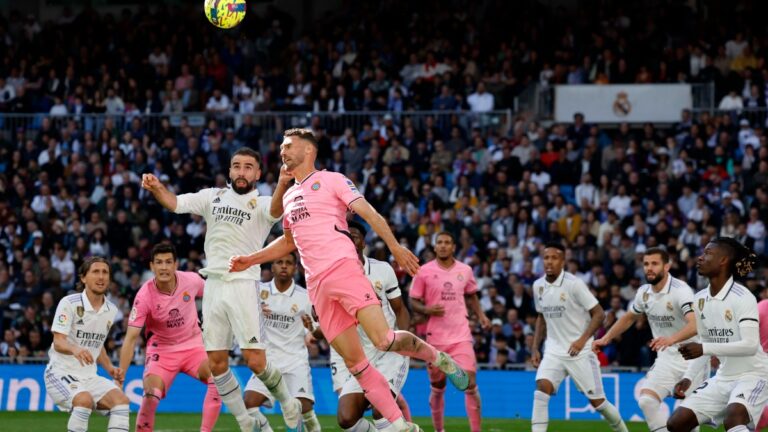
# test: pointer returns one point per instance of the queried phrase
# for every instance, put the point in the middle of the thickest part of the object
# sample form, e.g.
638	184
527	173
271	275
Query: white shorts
667	371
710	400
583	370
393	366
63	387
339	372
231	308
298	379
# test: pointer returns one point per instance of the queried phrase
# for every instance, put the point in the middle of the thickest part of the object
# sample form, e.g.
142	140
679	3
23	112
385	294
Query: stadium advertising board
617	103
505	394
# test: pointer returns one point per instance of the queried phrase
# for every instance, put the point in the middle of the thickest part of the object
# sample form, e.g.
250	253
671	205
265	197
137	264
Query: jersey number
69	379
333	369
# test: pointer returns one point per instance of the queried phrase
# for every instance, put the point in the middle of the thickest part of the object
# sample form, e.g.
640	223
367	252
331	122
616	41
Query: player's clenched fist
150	182
239	263
681	387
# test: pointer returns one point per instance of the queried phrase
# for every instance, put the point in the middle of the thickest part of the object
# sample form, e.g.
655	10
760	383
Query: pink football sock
211	407
437	406
376	390
145	420
472	404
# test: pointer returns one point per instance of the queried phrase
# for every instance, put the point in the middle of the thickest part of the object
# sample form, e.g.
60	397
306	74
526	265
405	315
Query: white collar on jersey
274	291
558	282
87	304
724	291
668	285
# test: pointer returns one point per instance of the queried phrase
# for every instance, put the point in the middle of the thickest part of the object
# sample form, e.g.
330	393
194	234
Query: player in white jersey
80	328
284	304
727	321
238	221
569	315
667	303
394	367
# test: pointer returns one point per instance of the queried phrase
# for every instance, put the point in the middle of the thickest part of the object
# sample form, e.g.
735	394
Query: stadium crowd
69	189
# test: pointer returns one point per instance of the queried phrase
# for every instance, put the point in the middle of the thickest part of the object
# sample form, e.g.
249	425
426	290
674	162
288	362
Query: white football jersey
719	319
283	330
565	305
666	309
84	327
236	225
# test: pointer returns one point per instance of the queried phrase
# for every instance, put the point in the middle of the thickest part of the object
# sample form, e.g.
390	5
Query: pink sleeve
471	286
138	315
345	189
417	287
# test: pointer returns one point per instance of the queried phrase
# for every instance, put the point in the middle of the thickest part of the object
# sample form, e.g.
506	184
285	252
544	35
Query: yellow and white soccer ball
225	13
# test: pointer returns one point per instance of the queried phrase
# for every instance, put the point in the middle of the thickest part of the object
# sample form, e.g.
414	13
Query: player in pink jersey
443	290
315	209
762	310
165	307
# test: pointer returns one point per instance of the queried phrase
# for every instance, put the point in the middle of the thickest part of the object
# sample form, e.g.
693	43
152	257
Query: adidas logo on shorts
301	390
253	340
740	396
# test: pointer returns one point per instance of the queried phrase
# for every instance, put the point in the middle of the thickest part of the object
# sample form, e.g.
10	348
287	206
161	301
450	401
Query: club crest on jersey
252	204
728	315
645	296
460	277
220	192
186	297
701	304
264	295
294	308
562	297
669	306
377	286
80	311
316	186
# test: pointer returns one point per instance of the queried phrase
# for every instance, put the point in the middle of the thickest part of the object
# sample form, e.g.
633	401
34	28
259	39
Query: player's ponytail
743	259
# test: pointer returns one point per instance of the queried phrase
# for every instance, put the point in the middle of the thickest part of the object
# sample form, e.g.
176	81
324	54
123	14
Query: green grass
46	421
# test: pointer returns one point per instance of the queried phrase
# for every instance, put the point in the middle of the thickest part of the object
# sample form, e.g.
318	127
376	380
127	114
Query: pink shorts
338	294
167	365
462	353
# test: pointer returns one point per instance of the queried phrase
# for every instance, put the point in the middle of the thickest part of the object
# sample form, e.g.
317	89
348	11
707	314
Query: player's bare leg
405	343
154	390
682	420
373	383
119	413
82	406
351	411
212	401
256	359
404	407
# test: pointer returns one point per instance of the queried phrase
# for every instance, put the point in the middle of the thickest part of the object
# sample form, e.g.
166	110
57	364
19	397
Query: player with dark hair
165	307
667	302
727	322
569	315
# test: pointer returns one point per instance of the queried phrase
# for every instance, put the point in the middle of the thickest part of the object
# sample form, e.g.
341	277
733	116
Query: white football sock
657	421
610	413
540	416
78	419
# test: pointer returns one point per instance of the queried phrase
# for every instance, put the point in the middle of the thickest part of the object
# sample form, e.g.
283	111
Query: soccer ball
225	13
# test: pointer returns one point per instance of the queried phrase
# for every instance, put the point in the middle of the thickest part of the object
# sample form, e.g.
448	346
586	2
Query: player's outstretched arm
165	197
685	333
617	329
129	344
404	257
281	246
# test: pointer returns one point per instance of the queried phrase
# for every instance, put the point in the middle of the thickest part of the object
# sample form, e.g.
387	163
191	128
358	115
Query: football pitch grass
54	422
